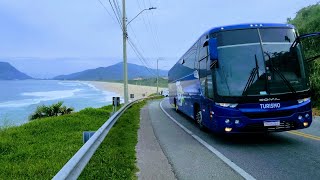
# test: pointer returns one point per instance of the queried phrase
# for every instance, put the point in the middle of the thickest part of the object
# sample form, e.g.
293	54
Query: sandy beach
137	90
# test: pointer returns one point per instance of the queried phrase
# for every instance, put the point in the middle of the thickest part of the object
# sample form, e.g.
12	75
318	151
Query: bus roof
247	26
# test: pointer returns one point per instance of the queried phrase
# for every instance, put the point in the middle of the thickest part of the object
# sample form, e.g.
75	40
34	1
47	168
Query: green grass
116	156
39	149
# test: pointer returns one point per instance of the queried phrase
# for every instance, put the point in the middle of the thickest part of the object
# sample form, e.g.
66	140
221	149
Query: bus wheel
199	120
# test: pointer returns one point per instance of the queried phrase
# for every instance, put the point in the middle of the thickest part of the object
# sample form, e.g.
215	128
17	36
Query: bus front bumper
244	124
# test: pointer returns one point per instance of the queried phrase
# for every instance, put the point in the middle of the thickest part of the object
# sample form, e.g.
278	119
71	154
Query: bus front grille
262	115
259	127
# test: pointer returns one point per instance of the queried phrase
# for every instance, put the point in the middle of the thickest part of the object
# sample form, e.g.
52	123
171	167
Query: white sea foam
91	86
37	97
70	83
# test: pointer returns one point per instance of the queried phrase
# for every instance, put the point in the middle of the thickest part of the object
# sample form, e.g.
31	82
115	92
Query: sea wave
70	83
91	86
38	98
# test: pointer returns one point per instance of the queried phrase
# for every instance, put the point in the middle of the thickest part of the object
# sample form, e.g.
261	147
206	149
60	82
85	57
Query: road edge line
231	164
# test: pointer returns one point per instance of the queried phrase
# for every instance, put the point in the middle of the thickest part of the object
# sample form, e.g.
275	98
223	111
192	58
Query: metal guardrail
73	168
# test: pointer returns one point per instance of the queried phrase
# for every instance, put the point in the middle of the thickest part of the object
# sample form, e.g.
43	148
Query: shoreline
117	88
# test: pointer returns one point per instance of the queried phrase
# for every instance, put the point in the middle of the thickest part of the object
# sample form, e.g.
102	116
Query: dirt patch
315	112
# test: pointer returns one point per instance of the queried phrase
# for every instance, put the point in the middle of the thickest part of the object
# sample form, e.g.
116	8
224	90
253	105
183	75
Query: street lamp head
151	8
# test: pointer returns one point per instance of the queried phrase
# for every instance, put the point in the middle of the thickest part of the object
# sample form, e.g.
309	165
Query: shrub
49	111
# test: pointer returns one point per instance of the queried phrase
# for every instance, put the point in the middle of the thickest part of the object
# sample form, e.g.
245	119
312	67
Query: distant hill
113	73
8	72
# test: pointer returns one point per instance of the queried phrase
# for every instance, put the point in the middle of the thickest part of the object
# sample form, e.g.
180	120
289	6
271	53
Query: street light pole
125	36
125	67
140	13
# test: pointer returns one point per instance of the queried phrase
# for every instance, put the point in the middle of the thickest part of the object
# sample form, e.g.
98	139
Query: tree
306	21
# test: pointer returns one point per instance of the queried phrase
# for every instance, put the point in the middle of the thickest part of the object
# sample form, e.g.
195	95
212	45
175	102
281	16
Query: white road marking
210	148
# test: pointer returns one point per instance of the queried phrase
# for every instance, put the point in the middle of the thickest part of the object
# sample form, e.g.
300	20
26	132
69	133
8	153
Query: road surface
285	155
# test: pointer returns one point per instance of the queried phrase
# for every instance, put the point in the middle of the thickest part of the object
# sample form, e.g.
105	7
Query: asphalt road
187	157
285	155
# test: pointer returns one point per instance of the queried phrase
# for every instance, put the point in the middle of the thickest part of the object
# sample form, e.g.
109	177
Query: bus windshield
259	62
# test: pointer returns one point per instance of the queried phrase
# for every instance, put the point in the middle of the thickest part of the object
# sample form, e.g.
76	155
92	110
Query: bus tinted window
238	37
190	57
277	35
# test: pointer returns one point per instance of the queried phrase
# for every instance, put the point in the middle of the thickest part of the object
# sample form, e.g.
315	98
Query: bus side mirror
213	49
310	45
213	52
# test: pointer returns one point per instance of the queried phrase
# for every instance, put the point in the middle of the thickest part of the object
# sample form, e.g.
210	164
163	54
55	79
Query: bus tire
199	120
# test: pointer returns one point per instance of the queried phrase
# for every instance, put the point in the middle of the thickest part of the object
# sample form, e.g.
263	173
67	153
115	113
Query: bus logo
270	99
270	106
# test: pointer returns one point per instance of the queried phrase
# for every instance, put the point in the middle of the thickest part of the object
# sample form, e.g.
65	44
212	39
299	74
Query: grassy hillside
39	149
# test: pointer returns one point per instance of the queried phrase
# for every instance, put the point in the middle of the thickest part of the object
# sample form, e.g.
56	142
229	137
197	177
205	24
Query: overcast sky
49	37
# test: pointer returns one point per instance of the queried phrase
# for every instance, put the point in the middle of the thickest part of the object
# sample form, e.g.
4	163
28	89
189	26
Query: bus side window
203	76
203	56
209	81
197	54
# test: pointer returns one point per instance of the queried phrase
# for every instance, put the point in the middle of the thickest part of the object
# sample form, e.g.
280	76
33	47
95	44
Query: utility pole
125	36
125	67
158	76
158	73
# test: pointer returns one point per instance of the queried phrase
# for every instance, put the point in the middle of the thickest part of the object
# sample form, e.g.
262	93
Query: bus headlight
303	100
227	121
237	121
300	117
231	105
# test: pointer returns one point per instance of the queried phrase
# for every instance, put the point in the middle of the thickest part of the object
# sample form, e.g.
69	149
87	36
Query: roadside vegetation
39	149
56	109
116	156
306	21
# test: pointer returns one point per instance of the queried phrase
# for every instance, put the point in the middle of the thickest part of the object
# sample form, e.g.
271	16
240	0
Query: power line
117	12
140	56
105	8
149	27
117	16
136	38
136	50
117	7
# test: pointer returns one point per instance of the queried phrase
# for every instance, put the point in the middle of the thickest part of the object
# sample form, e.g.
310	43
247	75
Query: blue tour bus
244	78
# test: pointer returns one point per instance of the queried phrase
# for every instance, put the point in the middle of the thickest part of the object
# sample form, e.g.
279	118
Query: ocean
18	99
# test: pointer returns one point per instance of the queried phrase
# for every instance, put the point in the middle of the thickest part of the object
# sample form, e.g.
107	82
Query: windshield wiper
284	79
255	71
